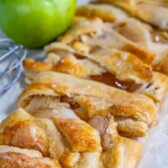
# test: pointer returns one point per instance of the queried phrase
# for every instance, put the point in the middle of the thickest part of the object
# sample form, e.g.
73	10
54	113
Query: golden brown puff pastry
117	151
147	37
157	88
13	157
81	136
45	106
96	33
139	32
110	66
151	11
65	59
73	142
88	98
18	157
87	160
128	127
109	59
106	12
125	152
20	129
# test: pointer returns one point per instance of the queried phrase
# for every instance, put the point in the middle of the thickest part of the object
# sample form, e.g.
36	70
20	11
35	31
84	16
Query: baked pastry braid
70	141
95	87
96	33
151	11
88	99
110	66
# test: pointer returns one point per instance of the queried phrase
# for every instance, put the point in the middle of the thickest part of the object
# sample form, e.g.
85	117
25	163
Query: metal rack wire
11	57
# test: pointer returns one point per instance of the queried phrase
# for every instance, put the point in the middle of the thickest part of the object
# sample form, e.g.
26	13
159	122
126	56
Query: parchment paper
155	144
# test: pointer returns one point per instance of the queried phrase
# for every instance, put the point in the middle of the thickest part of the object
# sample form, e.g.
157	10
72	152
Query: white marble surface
155	144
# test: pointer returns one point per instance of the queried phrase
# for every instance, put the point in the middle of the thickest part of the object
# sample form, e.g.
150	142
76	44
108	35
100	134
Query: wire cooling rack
11	57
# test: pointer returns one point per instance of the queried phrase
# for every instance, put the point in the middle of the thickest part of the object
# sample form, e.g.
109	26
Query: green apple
34	23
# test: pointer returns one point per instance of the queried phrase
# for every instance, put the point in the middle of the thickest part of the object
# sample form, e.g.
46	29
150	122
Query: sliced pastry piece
151	11
148	38
95	33
88	98
82	138
117	151
67	60
107	13
110	66
68	140
13	157
112	60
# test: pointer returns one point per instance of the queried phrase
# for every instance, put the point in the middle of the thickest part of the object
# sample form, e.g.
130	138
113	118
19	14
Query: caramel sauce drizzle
79	56
111	80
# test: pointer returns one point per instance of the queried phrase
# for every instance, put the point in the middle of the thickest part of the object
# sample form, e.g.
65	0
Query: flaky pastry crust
94	98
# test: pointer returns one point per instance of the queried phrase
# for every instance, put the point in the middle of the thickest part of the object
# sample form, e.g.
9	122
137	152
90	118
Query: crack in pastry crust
21	130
